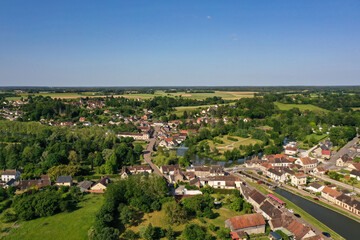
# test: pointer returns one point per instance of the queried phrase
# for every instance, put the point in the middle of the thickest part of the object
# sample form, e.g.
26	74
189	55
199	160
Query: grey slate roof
64	179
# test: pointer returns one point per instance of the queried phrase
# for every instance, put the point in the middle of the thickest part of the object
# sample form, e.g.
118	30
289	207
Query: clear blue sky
179	43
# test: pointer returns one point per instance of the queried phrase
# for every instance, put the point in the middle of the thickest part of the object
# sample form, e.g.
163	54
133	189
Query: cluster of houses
342	198
11	178
268	209
284	169
11	114
347	161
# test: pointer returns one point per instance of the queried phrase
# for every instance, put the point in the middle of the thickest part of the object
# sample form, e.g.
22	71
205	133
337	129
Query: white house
291	150
7	175
315	187
306	162
298	179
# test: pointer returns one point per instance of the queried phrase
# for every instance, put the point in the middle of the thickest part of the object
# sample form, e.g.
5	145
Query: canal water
347	228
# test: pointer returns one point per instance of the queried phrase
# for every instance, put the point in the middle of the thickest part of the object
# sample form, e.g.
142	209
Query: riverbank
306	216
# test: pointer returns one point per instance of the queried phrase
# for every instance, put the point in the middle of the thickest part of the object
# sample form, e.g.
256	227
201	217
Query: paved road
147	157
331	163
341	184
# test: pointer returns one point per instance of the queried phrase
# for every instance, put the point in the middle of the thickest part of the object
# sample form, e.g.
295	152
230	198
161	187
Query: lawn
73	225
229	144
302	107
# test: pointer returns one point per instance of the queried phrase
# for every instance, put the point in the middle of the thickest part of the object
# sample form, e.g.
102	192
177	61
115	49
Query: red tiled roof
245	221
331	192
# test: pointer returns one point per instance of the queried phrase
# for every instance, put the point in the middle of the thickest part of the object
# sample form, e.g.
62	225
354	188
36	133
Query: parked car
326	234
316	199
290	210
297	215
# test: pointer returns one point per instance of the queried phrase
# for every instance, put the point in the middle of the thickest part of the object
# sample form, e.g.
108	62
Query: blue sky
179	43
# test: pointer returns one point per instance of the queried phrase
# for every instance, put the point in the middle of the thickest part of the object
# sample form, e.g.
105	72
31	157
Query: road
330	165
338	183
147	157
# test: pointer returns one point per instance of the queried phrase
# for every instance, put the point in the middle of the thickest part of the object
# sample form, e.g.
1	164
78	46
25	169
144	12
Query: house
203	171
353	166
169	169
348	203
100	186
299	230
326	154
42	182
344	161
318	170
276	175
298	179
291	150
256	199
9	174
330	194
250	223
355	174
131	170
315	187
307	163
269	211
64	181
225	182
136	136
84	185
168	143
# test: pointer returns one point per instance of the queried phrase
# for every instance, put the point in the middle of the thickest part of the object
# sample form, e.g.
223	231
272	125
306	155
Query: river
347	228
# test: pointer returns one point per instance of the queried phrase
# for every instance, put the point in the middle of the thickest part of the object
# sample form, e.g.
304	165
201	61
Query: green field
302	107
73	225
229	144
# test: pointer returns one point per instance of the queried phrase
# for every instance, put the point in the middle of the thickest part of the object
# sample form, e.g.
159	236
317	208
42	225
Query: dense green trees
123	200
37	148
33	203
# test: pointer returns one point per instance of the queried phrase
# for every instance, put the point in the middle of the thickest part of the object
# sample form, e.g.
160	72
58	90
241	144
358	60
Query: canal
347	228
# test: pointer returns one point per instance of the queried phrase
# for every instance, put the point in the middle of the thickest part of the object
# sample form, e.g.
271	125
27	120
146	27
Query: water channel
346	227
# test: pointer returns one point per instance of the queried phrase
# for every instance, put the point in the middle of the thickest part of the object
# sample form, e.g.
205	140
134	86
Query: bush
8	216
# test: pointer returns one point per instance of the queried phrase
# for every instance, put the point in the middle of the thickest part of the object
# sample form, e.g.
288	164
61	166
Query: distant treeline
204	89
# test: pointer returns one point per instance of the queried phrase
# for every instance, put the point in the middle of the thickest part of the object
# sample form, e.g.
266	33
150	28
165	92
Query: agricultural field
223	94
302	107
229	144
67	225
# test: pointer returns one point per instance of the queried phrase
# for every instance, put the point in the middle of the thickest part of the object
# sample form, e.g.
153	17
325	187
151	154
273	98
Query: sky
179	43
